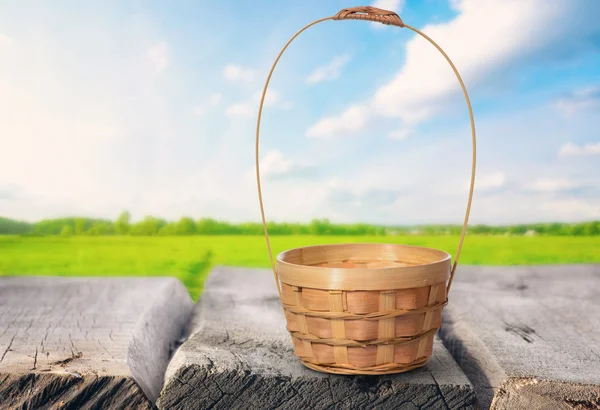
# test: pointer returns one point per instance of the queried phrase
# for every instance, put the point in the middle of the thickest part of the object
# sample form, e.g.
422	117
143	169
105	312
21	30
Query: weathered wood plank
240	356
528	337
87	343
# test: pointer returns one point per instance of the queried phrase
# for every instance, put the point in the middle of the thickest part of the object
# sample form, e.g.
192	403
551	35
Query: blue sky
150	106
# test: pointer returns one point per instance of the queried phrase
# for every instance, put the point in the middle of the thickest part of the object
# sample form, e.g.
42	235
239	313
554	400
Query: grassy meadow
190	257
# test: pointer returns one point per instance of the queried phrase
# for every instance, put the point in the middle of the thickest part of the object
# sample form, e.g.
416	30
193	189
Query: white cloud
234	72
330	71
522	29
241	109
5	40
475	46
159	56
573	150
553	185
567	209
354	118
9	191
488	182
511	209
78	138
274	163
215	99
250	108
366	198
103	131
580	100
401	134
392	5
271	98
286	105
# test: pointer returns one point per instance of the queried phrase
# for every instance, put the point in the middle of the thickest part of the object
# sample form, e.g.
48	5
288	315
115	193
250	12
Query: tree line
152	226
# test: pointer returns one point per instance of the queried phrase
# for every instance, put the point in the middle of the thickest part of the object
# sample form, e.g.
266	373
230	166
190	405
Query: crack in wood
523	331
7	349
68	359
35	359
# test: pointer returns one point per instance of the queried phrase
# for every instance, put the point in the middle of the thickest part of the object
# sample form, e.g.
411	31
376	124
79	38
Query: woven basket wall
363	308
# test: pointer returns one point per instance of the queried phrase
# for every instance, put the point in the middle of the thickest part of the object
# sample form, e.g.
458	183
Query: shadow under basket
363	308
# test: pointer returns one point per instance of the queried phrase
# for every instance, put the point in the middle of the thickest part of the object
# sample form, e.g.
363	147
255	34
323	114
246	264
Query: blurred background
127	132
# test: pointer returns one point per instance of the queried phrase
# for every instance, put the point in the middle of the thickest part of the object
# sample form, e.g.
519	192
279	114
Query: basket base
391	368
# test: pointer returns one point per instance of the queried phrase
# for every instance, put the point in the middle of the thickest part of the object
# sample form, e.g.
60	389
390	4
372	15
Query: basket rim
340	278
281	255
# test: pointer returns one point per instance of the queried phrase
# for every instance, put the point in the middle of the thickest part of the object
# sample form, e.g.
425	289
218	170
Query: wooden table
513	337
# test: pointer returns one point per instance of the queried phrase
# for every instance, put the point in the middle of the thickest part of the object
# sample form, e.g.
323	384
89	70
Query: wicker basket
364	308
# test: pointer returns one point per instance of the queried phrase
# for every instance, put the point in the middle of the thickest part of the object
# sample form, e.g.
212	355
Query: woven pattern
363	332
370	13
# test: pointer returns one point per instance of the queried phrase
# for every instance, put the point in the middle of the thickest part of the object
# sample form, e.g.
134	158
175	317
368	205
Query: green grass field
190	258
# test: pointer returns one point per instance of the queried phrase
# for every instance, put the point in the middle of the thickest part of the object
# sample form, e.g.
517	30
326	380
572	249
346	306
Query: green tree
320	227
185	226
207	226
101	228
576	230
79	226
66	231
149	226
169	229
591	228
517	229
13	227
123	223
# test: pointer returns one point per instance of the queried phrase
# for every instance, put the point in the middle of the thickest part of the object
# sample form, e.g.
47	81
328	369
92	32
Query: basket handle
389	18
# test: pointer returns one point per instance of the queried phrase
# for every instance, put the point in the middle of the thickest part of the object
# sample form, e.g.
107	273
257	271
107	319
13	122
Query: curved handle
384	17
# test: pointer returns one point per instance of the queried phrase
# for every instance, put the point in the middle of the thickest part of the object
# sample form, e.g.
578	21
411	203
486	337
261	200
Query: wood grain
87	343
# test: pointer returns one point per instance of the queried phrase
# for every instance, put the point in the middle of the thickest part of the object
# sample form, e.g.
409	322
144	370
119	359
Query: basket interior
350	264
362	255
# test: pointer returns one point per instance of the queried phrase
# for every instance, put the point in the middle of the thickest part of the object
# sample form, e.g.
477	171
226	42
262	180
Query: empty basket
364	308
